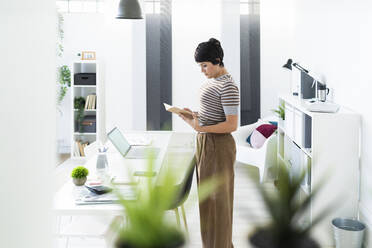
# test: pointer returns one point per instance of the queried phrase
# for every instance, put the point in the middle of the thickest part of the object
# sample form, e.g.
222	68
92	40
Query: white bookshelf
84	91
327	145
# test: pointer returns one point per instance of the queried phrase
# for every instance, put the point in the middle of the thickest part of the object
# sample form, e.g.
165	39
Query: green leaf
79	172
64	80
285	208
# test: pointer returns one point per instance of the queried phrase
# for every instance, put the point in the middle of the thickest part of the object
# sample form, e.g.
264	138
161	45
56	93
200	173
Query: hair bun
214	42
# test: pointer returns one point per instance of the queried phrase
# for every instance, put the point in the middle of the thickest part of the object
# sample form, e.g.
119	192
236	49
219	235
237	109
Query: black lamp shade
288	65
129	9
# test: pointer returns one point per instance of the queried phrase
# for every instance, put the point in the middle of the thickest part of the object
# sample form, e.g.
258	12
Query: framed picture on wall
88	55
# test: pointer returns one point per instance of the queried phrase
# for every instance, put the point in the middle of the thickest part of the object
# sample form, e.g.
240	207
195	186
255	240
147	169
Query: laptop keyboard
141	152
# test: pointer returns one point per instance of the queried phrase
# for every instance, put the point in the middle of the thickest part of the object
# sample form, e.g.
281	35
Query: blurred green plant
79	104
286	210
147	227
64	79
79	172
63	72
280	111
60	34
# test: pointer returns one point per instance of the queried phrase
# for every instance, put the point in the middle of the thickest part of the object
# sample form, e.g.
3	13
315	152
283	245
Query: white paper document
86	197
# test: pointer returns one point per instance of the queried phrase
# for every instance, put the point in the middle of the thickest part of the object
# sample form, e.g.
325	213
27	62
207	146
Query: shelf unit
96	114
327	147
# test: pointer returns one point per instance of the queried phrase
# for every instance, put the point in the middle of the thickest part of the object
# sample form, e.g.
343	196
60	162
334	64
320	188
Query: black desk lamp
288	66
300	67
290	63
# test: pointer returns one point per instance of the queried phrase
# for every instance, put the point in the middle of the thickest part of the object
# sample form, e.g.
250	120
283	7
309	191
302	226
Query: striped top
219	97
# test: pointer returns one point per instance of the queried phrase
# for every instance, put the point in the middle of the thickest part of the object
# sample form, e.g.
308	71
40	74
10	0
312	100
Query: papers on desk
137	139
85	197
322	107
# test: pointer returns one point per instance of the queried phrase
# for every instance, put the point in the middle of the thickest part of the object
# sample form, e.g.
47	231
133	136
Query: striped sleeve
230	98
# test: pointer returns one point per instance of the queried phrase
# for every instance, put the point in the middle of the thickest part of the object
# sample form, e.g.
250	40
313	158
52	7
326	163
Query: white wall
112	40
188	30
27	126
276	47
335	41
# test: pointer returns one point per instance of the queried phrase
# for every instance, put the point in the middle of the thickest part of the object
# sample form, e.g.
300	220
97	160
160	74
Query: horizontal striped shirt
219	97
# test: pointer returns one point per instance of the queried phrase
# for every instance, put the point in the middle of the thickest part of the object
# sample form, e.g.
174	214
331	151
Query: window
158	63
80	6
249	61
249	7
152	6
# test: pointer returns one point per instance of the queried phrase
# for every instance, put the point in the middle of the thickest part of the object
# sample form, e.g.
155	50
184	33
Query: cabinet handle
290	162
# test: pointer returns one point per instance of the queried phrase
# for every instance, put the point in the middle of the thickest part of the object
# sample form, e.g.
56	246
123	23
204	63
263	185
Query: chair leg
184	219
177	217
58	227
67	242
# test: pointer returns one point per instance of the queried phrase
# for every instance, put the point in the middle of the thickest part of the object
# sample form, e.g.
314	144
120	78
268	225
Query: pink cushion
261	134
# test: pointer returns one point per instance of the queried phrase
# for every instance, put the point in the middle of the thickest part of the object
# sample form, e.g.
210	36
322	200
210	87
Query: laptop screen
119	141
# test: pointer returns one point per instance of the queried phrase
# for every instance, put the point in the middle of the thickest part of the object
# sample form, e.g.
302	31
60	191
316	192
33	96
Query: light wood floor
248	212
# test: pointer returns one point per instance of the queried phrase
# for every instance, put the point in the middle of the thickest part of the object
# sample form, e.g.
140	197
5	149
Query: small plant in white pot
280	111
79	175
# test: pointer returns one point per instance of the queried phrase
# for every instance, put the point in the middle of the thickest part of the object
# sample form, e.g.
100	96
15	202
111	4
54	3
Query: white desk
178	147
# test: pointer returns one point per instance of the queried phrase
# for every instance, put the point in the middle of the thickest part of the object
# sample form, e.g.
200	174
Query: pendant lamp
129	9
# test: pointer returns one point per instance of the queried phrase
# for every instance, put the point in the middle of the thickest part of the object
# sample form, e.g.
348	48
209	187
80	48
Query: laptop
127	150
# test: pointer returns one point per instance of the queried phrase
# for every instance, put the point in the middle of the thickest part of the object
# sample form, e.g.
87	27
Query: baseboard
365	215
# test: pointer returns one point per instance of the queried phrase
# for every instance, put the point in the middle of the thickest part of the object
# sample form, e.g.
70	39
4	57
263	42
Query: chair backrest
183	189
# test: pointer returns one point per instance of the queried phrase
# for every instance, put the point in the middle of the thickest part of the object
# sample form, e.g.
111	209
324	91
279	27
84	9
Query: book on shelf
90	149
94	102
79	148
86	102
76	152
90	103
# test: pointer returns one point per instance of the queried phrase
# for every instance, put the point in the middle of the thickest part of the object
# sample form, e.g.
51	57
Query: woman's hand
193	122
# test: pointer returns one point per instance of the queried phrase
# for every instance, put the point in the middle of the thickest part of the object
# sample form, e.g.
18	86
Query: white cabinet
298	127
288	122
326	145
92	113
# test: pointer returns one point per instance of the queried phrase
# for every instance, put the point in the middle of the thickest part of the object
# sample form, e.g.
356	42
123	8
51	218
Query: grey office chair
182	192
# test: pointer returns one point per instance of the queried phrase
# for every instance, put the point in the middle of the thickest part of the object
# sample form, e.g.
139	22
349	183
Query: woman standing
216	151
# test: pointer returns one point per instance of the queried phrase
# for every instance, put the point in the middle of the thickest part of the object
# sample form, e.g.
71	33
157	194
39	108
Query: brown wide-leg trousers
215	156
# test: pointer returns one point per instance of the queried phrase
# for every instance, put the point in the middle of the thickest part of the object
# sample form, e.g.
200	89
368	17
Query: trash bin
348	233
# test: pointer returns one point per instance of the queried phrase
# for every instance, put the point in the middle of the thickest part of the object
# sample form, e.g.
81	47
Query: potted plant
79	175
64	79
280	111
79	104
285	210
148	227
